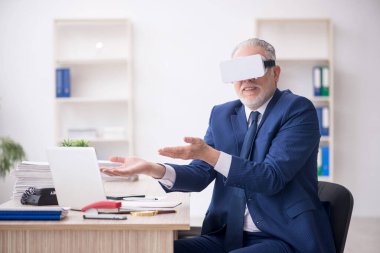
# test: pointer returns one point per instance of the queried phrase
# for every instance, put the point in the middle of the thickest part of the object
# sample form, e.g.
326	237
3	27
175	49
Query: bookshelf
301	45
97	53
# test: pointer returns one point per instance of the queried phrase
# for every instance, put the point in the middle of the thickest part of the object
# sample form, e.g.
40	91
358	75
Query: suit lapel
272	103
239	126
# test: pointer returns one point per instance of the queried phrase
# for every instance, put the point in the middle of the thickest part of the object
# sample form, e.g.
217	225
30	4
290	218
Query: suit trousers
255	242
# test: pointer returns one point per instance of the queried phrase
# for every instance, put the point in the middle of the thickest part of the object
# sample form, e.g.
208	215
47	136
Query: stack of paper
31	174
38	175
33	213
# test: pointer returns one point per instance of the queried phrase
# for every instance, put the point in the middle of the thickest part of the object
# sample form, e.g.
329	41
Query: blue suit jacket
279	184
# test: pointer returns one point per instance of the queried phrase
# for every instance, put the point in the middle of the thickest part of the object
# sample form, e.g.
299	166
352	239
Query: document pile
38	175
33	213
31	174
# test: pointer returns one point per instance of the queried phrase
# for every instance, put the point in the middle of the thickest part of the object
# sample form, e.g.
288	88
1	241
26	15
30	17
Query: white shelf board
102	140
79	21
325	178
305	58
320	99
79	100
325	139
292	20
99	140
89	61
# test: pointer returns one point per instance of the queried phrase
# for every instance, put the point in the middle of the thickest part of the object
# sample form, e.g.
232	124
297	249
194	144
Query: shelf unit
100	107
300	45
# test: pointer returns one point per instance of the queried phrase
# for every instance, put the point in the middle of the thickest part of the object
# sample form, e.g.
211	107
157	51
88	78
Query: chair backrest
339	203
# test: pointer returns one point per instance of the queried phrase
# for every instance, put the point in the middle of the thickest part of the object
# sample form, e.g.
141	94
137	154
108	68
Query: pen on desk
151	213
139	213
123	197
135	196
150	198
166	211
146	198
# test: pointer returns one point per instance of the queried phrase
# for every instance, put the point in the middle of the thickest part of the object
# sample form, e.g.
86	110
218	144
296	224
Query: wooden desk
153	234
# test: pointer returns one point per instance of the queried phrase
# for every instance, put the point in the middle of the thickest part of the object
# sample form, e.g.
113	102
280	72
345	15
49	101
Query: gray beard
259	101
253	105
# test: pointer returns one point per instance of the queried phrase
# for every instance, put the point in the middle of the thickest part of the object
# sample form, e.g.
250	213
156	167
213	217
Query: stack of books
33	213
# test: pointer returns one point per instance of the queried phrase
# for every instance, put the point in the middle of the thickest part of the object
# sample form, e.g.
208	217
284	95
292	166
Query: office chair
338	202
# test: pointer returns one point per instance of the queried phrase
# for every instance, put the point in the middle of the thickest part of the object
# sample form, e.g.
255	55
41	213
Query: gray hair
255	42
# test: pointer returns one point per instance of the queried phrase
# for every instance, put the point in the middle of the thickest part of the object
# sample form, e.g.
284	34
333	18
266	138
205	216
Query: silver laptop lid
76	176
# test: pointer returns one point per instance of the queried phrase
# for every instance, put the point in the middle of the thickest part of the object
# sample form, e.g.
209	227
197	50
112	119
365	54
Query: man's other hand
197	149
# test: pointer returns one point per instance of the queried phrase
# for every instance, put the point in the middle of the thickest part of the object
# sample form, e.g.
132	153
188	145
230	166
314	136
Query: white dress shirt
222	166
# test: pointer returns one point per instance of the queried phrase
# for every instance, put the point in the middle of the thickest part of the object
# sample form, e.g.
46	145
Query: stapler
92	210
104	204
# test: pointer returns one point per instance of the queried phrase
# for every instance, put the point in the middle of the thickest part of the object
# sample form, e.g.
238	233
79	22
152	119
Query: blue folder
30	217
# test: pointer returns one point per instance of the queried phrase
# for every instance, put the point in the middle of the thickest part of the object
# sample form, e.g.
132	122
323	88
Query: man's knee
199	244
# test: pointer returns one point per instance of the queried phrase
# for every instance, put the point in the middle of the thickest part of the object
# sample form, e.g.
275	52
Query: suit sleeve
290	150
195	176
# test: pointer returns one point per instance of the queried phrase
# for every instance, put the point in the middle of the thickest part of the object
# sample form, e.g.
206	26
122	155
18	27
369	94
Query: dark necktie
234	232
248	139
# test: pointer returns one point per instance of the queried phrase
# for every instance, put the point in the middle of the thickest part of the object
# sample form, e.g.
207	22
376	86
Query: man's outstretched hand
197	149
134	166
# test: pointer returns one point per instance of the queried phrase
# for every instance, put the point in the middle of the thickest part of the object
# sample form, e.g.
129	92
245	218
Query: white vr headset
244	68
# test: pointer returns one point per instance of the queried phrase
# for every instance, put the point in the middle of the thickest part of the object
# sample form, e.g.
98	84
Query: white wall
177	48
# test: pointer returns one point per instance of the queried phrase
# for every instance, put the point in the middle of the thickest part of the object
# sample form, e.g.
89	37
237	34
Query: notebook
76	176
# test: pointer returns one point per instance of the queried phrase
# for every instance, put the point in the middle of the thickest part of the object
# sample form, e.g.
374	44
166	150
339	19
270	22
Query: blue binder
325	130
63	83
30	217
317	80
325	81
29	213
33	213
323	120
319	162
325	161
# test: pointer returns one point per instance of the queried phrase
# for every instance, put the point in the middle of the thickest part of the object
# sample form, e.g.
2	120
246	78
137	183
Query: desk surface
145	185
75	234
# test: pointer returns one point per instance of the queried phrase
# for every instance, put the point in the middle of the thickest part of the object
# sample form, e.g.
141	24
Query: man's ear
276	71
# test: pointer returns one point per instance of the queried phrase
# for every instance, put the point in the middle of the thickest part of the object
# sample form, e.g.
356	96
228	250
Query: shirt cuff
169	177
223	164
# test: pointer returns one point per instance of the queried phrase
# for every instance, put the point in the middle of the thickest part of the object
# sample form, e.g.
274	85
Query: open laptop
76	176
